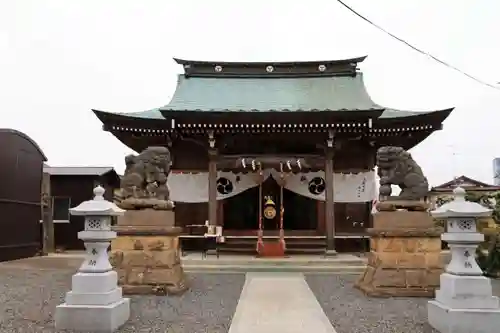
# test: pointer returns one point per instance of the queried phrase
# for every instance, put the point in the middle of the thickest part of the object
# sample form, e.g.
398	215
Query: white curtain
193	187
359	187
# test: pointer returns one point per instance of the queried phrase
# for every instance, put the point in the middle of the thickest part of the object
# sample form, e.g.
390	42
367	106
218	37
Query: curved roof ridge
243	63
397	113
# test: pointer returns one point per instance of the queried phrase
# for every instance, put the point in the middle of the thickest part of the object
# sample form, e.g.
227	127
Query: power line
442	62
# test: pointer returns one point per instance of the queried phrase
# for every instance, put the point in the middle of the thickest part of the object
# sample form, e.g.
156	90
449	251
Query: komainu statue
397	167
144	184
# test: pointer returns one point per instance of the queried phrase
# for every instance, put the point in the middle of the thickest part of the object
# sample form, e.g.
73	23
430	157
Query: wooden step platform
294	244
303	243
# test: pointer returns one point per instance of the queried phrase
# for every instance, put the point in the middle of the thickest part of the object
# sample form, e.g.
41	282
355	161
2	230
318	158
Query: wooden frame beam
329	196
289	163
212	180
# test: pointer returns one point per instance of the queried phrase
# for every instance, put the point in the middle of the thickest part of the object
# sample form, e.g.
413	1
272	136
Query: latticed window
60	208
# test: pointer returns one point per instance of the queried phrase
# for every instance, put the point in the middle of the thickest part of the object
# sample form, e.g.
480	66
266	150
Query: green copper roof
271	94
388	113
149	114
342	93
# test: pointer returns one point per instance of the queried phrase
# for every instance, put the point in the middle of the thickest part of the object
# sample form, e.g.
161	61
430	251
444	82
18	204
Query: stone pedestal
464	302
405	256
95	303
147	218
146	253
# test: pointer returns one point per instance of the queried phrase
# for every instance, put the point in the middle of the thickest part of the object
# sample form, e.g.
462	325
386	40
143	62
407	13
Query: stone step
338	269
344	261
305	250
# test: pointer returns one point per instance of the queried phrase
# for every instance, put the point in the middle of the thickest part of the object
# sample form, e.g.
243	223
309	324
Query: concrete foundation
92	318
94	304
464	304
448	320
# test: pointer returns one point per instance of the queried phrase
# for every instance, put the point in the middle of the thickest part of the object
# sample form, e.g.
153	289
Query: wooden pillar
212	180
329	203
48	243
212	187
329	198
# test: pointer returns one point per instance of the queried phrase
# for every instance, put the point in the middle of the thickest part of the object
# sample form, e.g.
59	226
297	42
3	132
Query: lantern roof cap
460	207
98	206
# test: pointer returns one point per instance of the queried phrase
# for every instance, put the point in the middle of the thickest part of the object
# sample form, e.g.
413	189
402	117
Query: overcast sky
59	59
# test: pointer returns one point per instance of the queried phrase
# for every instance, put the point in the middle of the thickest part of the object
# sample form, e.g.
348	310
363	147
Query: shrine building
296	137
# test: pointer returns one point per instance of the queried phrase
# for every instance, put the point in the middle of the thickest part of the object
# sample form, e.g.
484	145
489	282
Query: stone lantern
95	303
464	302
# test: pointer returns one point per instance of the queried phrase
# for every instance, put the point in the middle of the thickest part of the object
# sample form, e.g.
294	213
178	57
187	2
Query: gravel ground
28	298
350	311
29	295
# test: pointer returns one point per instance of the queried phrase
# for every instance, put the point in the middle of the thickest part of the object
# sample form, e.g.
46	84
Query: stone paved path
273	302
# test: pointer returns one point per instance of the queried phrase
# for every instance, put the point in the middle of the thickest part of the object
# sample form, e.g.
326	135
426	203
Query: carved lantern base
146	253
405	256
